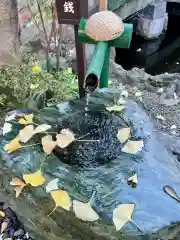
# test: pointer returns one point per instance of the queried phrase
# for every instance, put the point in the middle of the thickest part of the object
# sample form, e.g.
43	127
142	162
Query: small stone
177	63
174	132
160	90
11	232
124	93
121	101
138	94
19	232
138	50
175	96
9	213
5	206
160	117
173	127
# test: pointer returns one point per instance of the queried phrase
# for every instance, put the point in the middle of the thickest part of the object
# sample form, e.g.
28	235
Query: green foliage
18	84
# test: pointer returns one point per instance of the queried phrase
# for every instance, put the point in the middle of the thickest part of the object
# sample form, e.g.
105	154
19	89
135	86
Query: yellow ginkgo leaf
42	128
61	199
17	182
65	138
2	214
48	144
115	108
26	133
133	147
122	214
4	226
13	145
124	134
84	211
34	179
27	119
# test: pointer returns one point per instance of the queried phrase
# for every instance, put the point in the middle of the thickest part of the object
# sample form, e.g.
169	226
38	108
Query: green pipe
92	79
105	71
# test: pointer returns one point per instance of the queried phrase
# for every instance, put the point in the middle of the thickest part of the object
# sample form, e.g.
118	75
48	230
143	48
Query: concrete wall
131	7
177	1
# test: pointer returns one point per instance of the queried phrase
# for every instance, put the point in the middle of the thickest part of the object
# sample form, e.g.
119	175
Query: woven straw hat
104	26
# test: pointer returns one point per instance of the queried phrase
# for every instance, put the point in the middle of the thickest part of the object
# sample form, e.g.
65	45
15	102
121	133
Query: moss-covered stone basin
99	167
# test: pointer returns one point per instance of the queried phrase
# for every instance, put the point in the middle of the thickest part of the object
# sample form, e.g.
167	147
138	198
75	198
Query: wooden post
80	56
103	5
70	12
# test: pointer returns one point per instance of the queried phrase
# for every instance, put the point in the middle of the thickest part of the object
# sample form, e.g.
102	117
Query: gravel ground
171	114
11	228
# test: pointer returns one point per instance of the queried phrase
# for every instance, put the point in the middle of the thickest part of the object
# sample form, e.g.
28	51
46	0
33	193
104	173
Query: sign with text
71	11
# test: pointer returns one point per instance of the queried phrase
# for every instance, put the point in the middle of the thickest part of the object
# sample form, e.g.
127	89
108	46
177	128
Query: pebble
173	127
153	103
18	233
14	230
160	117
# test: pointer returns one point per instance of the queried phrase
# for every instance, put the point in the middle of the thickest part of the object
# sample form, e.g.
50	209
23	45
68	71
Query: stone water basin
99	167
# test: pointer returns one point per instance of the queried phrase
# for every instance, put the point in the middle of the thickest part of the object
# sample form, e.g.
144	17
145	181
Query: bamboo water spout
103	29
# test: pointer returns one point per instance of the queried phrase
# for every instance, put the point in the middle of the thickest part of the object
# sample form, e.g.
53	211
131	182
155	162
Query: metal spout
91	82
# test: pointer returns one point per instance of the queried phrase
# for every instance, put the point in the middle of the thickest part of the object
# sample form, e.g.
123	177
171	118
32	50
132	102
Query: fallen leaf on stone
42	128
115	108
17	182
122	214
124	93
65	138
10	118
7	128
133	147
4	226
2	214
124	134
18	190
26	133
121	101
13	145
84	211
138	94
48	144
52	185
160	90
173	127
27	235
34	179
169	190
19	185
27	119
160	117
133	179
61	199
